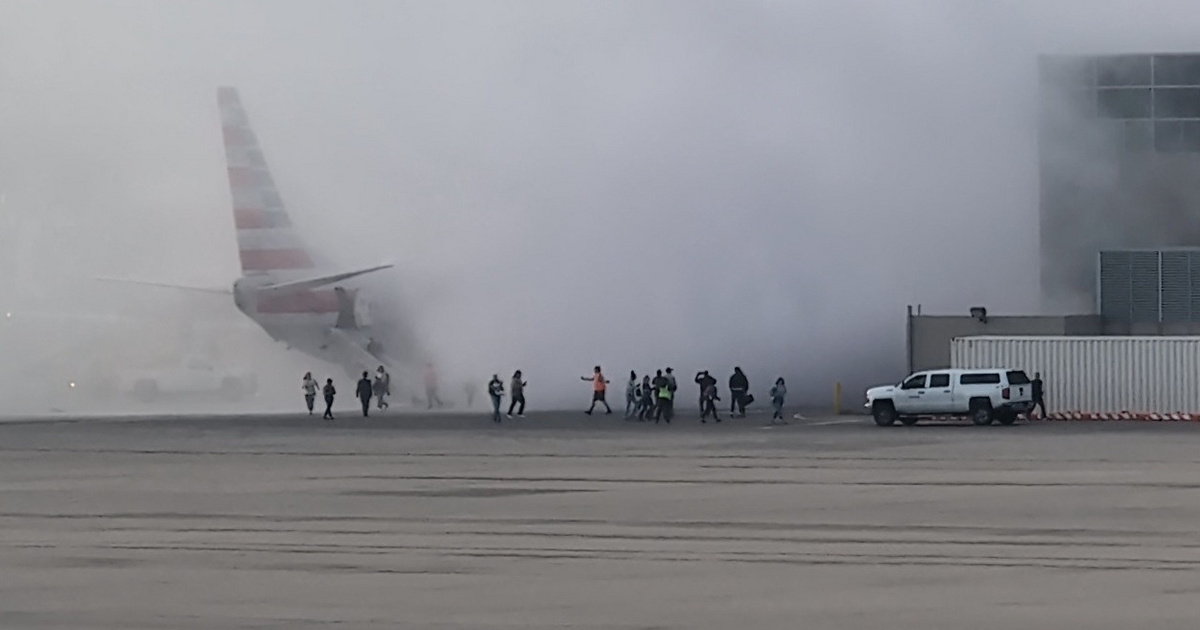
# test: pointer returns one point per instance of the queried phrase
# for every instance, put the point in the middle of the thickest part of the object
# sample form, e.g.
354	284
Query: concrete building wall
930	336
1166	329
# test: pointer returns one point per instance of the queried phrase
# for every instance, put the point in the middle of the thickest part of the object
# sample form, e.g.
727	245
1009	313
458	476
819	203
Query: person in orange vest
599	387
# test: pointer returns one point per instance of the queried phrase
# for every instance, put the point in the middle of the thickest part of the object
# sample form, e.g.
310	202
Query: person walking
631	395
364	392
738	386
657	385
431	386
708	400
518	395
666	402
1038	394
382	387
645	398
703	379
310	391
778	394
496	392
599	387
329	391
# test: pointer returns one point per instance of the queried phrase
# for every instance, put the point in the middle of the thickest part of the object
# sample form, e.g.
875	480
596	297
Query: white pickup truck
983	395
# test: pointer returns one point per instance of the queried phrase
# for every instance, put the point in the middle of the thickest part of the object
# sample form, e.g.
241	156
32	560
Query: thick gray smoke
632	184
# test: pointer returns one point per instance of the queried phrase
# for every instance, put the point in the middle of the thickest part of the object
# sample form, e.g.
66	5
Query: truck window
939	380
915	382
979	378
1018	377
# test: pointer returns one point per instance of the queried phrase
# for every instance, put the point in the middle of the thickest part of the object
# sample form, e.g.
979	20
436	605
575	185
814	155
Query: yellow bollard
837	398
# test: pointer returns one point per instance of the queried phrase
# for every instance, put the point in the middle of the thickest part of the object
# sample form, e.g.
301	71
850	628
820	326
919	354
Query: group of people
379	388
651	398
496	393
654	398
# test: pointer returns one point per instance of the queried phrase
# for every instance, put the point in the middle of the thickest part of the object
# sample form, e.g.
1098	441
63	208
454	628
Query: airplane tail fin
266	241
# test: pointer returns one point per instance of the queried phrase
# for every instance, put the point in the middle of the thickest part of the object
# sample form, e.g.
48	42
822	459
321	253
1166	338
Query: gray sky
637	184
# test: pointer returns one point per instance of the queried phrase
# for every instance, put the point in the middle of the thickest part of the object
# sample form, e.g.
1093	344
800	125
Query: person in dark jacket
646	401
382	387
659	384
739	385
329	391
1038	392
518	395
703	379
364	392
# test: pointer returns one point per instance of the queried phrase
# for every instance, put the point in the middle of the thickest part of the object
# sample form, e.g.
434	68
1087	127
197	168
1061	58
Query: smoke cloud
631	184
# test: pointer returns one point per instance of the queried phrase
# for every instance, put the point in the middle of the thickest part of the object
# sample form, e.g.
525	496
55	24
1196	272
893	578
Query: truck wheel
884	413
146	390
981	413
1006	417
908	421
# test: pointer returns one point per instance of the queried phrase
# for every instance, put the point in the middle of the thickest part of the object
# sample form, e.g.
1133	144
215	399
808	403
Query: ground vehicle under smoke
983	395
195	377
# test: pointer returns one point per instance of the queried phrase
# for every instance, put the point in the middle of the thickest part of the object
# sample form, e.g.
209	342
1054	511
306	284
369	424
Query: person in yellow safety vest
599	386
666	398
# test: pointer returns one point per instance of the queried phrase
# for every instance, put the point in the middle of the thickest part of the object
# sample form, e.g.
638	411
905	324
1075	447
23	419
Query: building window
1177	136
1122	71
985	378
1177	70
1124	103
1177	103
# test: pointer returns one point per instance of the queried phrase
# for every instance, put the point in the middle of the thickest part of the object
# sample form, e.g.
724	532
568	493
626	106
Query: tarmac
566	521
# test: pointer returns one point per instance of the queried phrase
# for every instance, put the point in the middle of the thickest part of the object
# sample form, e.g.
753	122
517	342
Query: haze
561	184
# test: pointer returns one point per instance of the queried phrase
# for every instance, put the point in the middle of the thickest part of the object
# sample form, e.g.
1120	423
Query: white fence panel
1097	374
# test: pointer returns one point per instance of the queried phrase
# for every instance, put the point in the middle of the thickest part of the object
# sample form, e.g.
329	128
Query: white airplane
284	287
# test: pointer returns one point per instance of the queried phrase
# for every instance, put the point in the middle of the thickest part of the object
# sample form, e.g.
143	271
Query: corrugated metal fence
1097	374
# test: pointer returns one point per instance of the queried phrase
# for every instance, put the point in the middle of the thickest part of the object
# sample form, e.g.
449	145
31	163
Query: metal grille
1150	286
1116	301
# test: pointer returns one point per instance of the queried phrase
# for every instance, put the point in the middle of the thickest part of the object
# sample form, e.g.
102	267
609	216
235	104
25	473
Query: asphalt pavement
567	521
